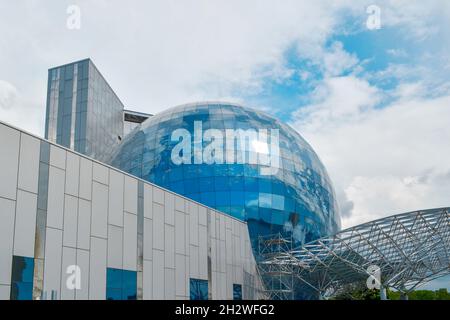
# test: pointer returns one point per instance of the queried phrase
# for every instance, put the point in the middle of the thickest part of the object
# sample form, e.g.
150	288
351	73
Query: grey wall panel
52	262
84	224
70	221
130	195
116	191
158	274
85	179
158	226
97	269
55	203
83	263
129	241
7	214
115	247
69	258
9	144
25	225
57	157
72	174
99	214
30	148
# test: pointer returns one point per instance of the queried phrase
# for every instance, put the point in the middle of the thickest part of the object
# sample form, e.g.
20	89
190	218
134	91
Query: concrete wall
62	208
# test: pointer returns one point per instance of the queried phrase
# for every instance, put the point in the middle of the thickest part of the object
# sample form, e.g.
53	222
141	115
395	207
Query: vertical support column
383	295
41	221
140	242
208	231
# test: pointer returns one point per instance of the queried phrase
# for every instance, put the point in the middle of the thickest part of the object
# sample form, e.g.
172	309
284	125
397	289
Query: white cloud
382	161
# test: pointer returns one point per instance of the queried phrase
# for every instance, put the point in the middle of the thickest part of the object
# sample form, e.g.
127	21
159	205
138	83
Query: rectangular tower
83	112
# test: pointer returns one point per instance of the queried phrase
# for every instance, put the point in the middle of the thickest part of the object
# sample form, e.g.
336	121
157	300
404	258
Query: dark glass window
198	289
22	278
121	284
237	291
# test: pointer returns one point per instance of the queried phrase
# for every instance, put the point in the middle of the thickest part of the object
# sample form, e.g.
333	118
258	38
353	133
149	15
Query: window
22	278
121	284
198	289
237	291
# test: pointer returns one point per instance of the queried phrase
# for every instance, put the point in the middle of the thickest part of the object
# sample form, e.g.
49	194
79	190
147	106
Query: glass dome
237	160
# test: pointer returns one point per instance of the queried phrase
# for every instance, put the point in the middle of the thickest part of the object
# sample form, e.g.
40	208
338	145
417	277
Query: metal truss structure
401	251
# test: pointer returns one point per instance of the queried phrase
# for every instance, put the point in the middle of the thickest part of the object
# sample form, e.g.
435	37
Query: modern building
208	200
130	239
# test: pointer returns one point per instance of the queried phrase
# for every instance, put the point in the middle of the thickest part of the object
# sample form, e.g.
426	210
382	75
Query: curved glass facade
239	161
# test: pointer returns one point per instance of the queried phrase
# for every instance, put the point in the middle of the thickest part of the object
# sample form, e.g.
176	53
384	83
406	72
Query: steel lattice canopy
409	249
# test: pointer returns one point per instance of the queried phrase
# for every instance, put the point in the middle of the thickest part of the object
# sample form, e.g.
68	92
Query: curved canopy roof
407	249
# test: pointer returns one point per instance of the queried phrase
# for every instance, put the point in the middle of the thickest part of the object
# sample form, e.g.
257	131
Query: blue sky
374	104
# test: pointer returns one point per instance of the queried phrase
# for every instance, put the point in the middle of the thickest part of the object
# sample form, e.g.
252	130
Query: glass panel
237	291
198	289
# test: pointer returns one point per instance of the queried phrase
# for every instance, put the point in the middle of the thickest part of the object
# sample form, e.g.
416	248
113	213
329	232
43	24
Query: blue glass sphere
239	161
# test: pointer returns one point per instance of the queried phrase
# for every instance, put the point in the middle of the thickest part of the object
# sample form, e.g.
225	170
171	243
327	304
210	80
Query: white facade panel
115	212
148	280
70	221
85	179
69	258
158	274
180	275
100	173
7	215
158	195
202	215
5	292
84	224
193	262
180	204
148	201
72	174
203	253
169	246
29	163
99	215
193	223
169	208
57	157
129	241
52	262
9	144
115	247
148	239
180	239
158	226
55	202
169	284
25	226
83	263
97	269
130	194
